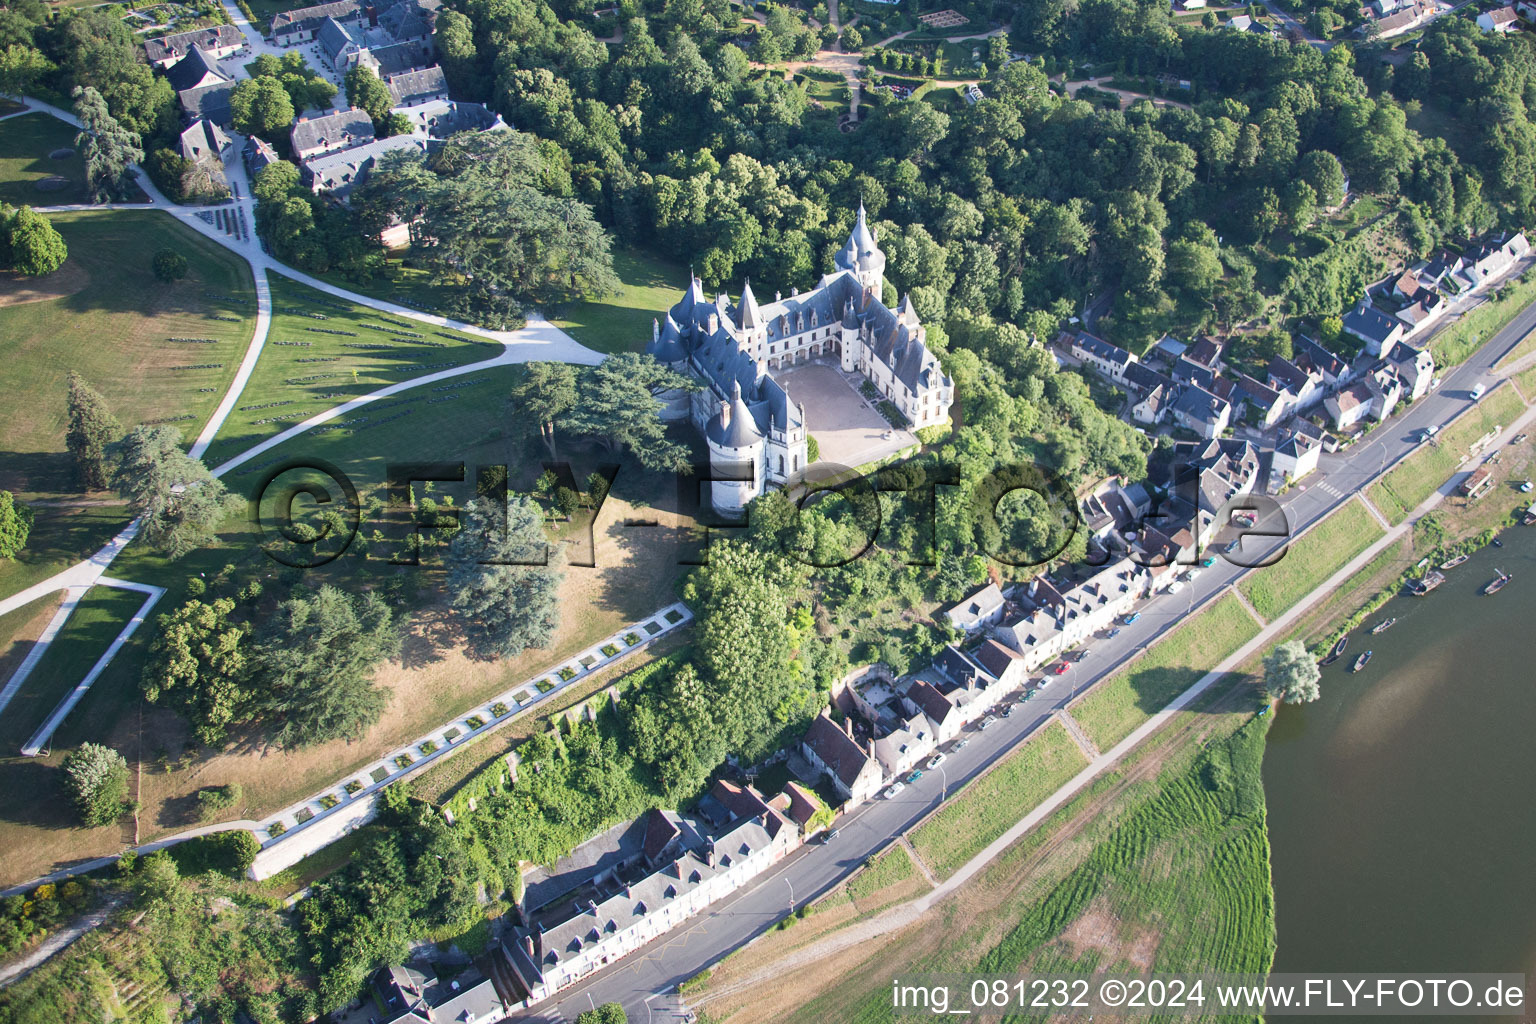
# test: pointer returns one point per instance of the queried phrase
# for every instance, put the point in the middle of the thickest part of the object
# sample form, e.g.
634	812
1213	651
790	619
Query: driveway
849	433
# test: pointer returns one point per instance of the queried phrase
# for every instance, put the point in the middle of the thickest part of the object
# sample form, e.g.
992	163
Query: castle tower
862	256
735	449
850	344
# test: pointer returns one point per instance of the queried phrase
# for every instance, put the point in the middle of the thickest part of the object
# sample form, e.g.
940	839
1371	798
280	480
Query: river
1402	811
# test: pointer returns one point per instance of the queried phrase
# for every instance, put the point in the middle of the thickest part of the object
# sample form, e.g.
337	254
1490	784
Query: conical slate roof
733	426
748	316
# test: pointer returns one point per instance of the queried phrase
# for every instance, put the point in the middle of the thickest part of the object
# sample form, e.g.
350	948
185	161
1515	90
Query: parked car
829	836
936	760
1234	545
1177	586
1131	619
1208	561
1479	391
917	773
1192	575
1061	667
962	744
1079	654
1244	517
1434	385
895	790
1428	432
1518	439
1114	632
1007	710
989	720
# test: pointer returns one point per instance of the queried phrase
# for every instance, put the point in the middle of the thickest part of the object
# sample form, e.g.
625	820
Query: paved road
814	869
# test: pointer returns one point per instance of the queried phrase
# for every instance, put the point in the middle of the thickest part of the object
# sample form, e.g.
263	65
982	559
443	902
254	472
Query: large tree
618	406
92	428
199	663
544	392
368	93
1291	674
97	780
506	598
181	502
489	221
108	149
315	663
15	525
29	244
261	106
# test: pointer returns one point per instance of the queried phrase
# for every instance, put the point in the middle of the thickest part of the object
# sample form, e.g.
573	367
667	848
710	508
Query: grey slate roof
345	127
1185	371
211	101
398	58
214	37
1102	349
195	70
204	140
1198	404
441	119
311	17
1370	323
417	85
410	19
333	38
733	426
1142	377
1287	374
339	171
1308	354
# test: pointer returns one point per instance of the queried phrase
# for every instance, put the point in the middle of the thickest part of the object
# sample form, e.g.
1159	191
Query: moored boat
1383	626
1361	661
1338	648
1421	587
1498	582
1453	563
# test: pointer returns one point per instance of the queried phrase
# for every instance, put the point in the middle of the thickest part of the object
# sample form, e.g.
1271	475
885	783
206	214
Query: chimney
848	727
725	413
709	855
871	745
528	945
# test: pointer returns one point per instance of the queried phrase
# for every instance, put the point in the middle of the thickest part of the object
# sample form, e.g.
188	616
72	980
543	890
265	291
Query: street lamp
943	783
791	894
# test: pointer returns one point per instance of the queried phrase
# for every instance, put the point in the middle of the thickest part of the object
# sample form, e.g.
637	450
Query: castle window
781	465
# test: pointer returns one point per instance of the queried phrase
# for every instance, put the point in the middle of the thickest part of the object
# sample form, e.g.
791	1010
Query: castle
753	429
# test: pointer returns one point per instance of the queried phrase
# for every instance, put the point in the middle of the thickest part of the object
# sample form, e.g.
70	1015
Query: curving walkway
538	340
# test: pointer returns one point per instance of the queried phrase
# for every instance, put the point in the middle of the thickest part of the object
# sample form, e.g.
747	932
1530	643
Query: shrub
567	673
170	265
211	800
276	829
499	709
474	722
631	638
609	650
353	787
329	800
812	449
231	853
428	747
403	761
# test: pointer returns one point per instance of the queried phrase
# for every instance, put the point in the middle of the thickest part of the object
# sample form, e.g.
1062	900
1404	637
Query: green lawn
25	145
60	537
1525	380
882	872
622	322
992	804
1115	707
1461	339
303	370
112	321
100	616
1422	473
1310	560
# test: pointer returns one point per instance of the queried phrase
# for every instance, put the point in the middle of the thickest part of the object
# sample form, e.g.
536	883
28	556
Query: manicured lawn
1116	706
60	537
1310	560
1526	381
26	143
100	616
1422	473
992	804
111	321
304	369
622	322
884	880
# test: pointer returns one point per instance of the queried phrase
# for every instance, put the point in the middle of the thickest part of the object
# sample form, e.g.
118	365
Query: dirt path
56	943
1125	95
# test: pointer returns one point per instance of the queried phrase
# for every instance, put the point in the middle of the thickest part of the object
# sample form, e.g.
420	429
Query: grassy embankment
1115	707
988	806
1418	476
1311	559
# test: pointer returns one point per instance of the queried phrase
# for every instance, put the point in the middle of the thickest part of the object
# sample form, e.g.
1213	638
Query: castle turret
861	255
735	450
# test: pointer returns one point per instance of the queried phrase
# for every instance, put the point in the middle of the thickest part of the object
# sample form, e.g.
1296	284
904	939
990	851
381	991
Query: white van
1479	391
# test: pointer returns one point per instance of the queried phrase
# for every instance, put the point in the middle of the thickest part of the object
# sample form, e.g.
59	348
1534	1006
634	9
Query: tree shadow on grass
32	793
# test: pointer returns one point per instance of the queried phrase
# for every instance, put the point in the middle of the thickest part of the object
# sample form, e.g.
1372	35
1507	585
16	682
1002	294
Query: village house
1266	404
418	86
1152	407
1209	474
216	41
680	873
982	608
1499	20
1057	620
1372	326
1302	385
407	996
1373	397
312	136
1200	411
202	87
1415	367
205	146
1109	360
832	748
1294	457
289	28
1327	369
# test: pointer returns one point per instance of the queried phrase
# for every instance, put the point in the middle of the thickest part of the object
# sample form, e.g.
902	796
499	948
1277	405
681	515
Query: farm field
1310	560
989	805
1116	706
